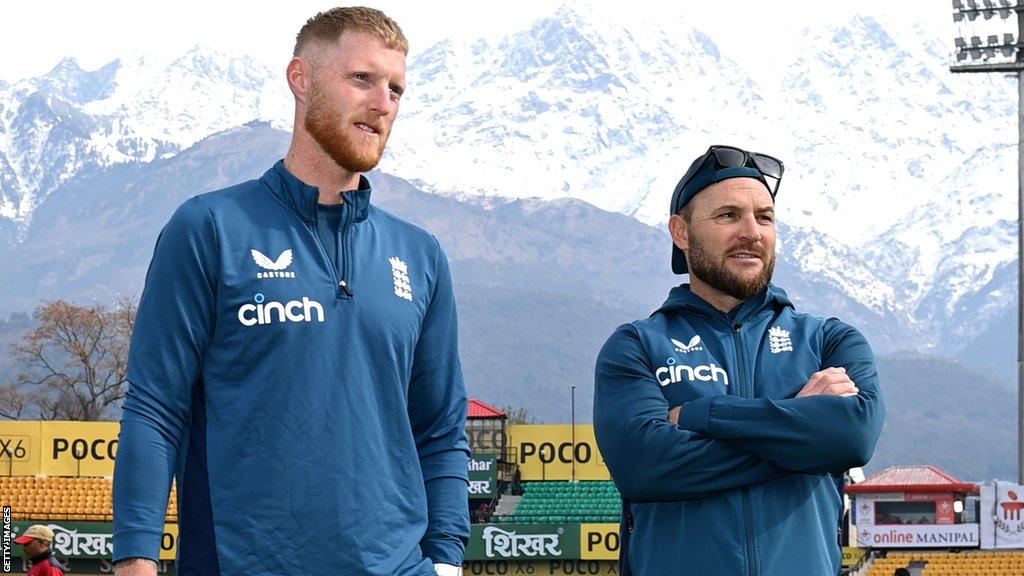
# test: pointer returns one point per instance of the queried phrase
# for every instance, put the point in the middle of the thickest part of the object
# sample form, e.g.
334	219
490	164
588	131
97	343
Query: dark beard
703	265
325	124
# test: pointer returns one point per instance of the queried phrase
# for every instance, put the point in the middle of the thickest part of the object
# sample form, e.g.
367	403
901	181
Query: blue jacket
312	415
745	484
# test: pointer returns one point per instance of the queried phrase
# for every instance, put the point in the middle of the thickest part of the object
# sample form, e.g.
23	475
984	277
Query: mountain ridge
896	194
539	287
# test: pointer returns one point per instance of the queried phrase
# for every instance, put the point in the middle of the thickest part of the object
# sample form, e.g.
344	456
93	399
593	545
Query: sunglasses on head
732	157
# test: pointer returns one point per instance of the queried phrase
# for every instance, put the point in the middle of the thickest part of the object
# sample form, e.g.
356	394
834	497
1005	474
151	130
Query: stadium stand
965	563
64	499
593	501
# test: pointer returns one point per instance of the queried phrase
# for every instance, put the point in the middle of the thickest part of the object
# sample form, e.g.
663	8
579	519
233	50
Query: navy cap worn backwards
703	172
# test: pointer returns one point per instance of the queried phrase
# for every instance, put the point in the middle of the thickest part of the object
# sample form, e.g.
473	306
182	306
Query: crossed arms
726	442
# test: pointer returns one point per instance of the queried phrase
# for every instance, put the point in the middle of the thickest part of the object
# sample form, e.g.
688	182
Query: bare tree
518	415
14	402
76	361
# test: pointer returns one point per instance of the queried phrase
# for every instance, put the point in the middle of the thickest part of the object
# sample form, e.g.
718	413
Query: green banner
483	476
89	539
523	541
74	539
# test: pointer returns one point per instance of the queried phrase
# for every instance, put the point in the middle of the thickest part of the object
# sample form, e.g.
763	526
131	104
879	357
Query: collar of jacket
682	299
303	198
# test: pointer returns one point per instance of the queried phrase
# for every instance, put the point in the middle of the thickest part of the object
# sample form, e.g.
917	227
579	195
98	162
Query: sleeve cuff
442	552
136	543
447	570
696	416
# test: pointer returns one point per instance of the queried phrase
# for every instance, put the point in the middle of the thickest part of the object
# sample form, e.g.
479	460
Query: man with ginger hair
294	366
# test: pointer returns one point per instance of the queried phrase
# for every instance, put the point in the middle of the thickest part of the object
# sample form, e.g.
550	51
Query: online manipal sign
920	536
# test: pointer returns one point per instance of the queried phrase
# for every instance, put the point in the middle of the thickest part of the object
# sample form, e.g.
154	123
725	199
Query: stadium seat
586	501
964	563
63	499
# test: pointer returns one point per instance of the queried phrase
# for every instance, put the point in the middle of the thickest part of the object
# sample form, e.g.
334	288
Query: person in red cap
36	542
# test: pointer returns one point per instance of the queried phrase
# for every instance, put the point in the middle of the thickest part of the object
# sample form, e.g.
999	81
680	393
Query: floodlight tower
1000	51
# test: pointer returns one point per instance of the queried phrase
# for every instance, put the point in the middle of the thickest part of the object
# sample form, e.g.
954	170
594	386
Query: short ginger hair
328	26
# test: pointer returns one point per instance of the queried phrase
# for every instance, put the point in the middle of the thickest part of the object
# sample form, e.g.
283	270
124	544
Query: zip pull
345	288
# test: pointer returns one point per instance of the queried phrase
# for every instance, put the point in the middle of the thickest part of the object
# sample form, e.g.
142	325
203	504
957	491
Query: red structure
485	429
478	409
912	506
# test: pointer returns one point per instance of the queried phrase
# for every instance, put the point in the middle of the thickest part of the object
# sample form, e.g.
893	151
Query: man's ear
299	74
680	232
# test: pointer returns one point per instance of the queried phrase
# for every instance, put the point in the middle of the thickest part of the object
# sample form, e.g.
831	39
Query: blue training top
312	414
747	483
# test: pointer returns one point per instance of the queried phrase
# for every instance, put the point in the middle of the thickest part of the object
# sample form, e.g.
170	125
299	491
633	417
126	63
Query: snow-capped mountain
71	120
574	106
912	165
899	189
540	285
898	171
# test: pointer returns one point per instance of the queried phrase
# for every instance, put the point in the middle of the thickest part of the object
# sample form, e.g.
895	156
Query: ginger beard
332	132
716	274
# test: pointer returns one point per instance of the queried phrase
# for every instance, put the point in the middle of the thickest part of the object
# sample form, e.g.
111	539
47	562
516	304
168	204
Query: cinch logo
276	268
270	312
675	373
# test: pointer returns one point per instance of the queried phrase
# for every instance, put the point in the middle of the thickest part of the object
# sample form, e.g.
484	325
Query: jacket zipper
331	269
746	391
346	250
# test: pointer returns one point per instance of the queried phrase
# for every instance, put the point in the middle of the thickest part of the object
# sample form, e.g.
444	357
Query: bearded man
727	418
294	365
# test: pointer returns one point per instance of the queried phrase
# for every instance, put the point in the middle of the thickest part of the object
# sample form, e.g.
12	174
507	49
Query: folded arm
649	458
810	434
